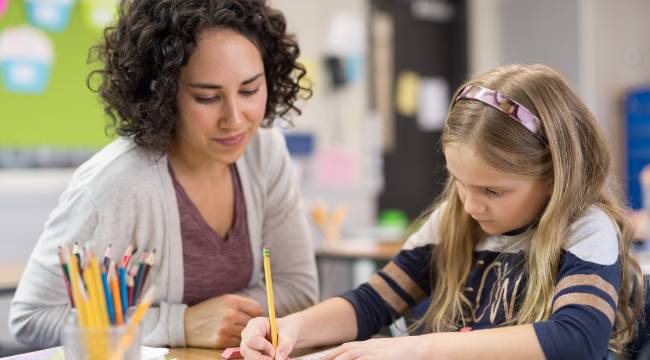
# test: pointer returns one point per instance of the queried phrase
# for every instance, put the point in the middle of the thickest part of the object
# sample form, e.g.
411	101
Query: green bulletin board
67	114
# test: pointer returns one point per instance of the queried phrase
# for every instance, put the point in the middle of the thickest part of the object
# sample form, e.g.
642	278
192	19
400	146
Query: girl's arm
330	322
512	342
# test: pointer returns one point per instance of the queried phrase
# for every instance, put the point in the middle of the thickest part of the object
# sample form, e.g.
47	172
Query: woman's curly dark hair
144	51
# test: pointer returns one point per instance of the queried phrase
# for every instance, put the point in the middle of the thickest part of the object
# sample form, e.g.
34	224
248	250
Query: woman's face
499	202
221	96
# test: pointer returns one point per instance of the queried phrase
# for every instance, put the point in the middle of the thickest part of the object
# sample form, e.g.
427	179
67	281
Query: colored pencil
110	308
115	291
66	274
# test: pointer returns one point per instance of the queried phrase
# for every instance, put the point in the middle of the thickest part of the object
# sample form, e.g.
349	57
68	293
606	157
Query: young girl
525	256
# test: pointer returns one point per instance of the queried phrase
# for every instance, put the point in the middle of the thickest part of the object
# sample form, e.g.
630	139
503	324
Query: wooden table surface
193	354
352	250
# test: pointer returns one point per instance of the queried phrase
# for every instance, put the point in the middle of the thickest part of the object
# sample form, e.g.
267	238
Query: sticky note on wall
337	167
406	93
433	102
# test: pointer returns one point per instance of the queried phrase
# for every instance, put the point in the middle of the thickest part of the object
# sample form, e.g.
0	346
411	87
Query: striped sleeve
586	294
400	285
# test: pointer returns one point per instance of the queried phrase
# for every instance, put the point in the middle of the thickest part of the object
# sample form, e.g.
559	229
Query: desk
345	264
210	354
358	250
10	276
193	354
383	252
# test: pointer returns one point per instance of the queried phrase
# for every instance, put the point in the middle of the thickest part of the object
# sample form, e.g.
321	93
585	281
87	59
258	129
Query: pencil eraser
465	329
231	353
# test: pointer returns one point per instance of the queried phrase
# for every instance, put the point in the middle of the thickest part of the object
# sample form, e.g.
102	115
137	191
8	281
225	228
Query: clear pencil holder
81	343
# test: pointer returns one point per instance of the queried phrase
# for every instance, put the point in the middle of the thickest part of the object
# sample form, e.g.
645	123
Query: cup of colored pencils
108	302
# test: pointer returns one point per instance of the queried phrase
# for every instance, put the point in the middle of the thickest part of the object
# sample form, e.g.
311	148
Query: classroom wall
342	170
66	113
601	45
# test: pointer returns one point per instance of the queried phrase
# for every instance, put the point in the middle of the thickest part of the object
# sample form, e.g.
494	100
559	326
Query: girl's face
221	96
499	202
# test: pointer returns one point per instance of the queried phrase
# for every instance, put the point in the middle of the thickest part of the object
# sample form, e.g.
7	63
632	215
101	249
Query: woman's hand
255	344
218	322
405	347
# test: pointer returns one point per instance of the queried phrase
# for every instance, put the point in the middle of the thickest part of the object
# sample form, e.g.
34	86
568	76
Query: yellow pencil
133	323
93	308
99	291
269	297
77	286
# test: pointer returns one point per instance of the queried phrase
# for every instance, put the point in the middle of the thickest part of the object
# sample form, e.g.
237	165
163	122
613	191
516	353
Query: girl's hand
405	347
255	343
219	321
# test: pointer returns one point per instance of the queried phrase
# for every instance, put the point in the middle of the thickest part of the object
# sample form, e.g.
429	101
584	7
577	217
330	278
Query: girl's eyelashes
492	192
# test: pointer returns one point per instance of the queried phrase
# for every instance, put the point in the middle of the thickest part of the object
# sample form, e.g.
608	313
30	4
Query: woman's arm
40	307
284	229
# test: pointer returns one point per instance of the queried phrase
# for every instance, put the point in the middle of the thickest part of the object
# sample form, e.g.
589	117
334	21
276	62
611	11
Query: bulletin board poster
44	100
637	139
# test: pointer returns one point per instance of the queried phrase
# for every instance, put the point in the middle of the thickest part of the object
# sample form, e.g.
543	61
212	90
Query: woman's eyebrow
202	85
253	78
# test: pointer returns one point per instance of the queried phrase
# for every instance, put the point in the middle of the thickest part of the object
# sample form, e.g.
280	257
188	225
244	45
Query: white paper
146	353
151	353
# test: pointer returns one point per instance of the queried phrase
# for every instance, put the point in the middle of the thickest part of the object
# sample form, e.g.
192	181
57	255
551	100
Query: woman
187	85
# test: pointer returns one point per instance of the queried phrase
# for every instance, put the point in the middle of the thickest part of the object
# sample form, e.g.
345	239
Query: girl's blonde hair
576	159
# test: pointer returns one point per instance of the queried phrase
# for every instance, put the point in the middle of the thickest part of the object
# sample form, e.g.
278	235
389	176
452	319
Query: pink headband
513	109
